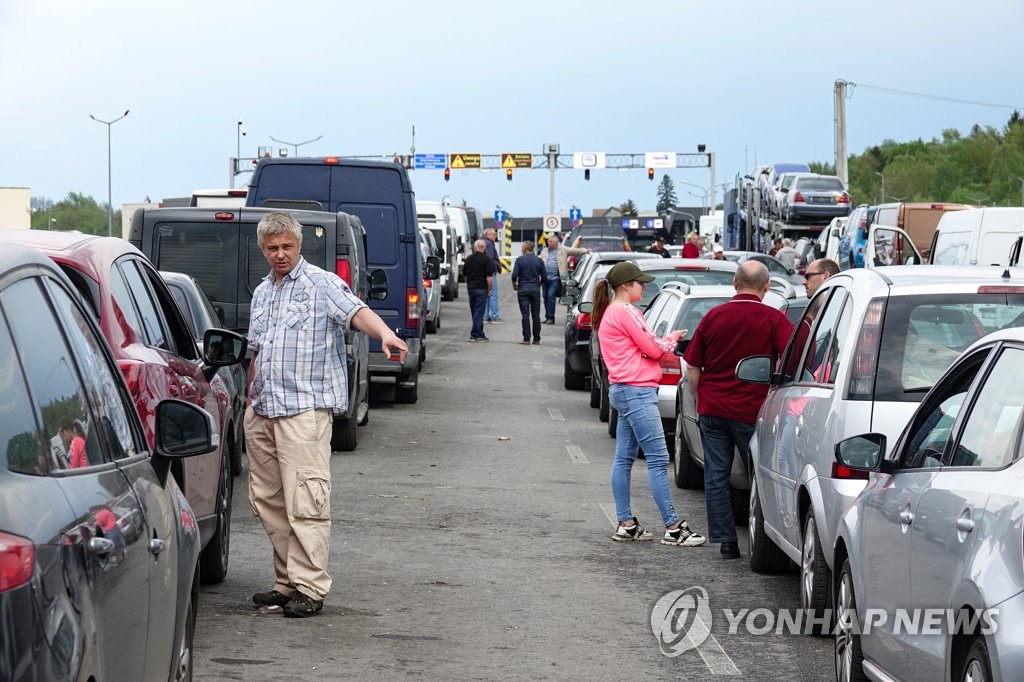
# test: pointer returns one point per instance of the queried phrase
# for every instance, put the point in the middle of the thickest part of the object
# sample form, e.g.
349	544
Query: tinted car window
923	335
56	394
662	277
186	311
819	184
22	443
314	250
600	243
818	362
989	436
152	327
202	250
124	306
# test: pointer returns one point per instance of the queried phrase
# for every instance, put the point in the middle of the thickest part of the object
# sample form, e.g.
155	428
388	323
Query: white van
460	223
218	198
431	215
976	236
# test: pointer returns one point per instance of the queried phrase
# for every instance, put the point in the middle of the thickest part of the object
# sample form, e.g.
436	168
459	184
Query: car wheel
213	561
182	664
574	381
437	322
976	666
595	392
602	408
848	655
687	473
344	436
613	421
765	555
815	576
430	327
408	394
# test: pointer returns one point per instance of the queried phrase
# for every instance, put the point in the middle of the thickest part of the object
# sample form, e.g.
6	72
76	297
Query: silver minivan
869	347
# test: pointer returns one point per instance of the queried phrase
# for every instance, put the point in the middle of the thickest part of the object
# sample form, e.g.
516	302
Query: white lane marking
542	386
711	652
576	455
555	414
538	365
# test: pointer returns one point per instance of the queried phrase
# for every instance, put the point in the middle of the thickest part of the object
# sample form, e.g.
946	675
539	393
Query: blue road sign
625	223
499	216
575	214
430	161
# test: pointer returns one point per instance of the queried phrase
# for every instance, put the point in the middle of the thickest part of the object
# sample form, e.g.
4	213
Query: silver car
869	347
939	527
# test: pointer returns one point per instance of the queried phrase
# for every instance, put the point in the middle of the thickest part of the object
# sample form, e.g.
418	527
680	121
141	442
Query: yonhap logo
681	620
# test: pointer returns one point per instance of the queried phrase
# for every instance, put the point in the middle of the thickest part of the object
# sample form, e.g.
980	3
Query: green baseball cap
626	271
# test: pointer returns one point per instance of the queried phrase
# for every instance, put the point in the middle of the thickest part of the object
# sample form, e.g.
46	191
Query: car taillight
798	198
223	215
844	198
583	321
17	561
845	472
702	268
427	283
571	262
671	370
625	245
343	269
865	356
412	307
332	160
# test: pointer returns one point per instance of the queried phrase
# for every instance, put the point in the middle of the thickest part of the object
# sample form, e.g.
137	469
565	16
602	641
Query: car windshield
819	184
923	335
602	243
662	277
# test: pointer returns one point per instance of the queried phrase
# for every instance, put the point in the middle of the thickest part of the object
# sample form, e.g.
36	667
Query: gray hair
480	246
528	246
278	222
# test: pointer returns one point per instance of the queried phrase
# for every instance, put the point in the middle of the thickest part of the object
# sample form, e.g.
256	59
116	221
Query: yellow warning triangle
507	162
457	162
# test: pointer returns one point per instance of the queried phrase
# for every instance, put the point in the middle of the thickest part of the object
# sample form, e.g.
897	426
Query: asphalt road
471	541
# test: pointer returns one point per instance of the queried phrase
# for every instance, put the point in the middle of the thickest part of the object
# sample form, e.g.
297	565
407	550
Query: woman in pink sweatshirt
632	355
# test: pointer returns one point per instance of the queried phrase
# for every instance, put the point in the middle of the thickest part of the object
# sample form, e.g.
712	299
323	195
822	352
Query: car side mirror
440	252
586	307
222	348
182	430
861	453
433	268
378	285
567	300
755	370
571	283
681	346
835	234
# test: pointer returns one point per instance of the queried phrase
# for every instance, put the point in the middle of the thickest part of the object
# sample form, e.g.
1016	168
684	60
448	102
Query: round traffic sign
552	222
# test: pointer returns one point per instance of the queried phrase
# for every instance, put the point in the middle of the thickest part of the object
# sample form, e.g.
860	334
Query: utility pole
840	111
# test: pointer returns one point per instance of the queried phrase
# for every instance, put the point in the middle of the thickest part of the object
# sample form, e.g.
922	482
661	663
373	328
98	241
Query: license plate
821	200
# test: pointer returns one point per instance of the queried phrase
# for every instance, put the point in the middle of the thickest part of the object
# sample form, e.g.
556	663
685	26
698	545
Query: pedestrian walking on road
492	314
787	255
297	383
632	355
556	265
529	278
727	408
478	271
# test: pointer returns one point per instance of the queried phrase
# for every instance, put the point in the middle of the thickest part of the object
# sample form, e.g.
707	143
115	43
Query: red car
159	358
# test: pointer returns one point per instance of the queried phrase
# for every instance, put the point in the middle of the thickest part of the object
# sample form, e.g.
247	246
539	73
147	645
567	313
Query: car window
841	338
178	294
52	430
691	277
991	430
819	361
207	251
774	266
891	248
932	426
818	184
152	329
655	314
314	249
694	311
802	340
124	305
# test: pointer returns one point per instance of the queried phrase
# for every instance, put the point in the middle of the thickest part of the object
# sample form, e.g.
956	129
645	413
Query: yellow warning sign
516	160
464	160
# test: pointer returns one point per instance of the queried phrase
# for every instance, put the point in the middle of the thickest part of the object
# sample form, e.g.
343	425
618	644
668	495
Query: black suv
218	247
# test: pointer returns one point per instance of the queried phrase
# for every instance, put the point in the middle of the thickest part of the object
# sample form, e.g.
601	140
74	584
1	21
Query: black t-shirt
476	269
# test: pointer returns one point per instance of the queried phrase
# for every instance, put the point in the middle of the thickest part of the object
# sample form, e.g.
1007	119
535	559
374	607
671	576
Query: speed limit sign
552	222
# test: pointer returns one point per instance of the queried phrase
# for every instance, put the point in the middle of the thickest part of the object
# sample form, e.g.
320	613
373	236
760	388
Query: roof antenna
1006	273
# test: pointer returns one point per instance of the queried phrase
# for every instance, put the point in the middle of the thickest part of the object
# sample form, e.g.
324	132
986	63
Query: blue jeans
491	313
529	308
640	427
551	296
477	303
721	439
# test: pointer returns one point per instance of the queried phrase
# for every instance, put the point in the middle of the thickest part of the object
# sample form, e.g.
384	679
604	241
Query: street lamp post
295	145
239	134
882	175
110	205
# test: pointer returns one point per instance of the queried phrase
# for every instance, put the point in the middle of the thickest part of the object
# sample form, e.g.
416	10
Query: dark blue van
380	194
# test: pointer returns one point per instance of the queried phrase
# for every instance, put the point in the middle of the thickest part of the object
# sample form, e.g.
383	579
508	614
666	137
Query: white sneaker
634	533
683	536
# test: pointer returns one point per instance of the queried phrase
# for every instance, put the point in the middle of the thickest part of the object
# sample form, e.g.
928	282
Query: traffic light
650	173
447	174
508	174
586	174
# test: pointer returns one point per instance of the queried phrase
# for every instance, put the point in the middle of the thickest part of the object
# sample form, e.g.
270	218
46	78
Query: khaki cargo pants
290	492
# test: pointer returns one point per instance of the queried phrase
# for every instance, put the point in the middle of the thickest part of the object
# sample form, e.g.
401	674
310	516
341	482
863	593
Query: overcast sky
752	81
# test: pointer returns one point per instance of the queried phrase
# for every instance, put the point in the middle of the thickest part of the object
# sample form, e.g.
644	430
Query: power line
940	98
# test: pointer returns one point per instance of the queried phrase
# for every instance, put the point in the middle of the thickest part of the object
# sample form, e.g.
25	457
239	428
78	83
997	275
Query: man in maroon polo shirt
727	408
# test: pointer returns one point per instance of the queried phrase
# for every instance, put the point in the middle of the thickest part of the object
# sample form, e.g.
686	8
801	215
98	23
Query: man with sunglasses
817	272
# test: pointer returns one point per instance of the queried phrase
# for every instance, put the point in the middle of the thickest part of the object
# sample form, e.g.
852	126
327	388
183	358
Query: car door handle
799	426
156	546
906	518
964	525
101	546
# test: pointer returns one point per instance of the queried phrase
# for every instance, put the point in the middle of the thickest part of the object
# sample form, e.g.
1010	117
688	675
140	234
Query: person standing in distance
492	314
632	354
478	271
658	247
528	279
556	264
726	407
691	249
297	381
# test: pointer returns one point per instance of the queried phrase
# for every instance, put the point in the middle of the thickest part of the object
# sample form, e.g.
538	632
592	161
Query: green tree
73	212
629	209
822	167
666	195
